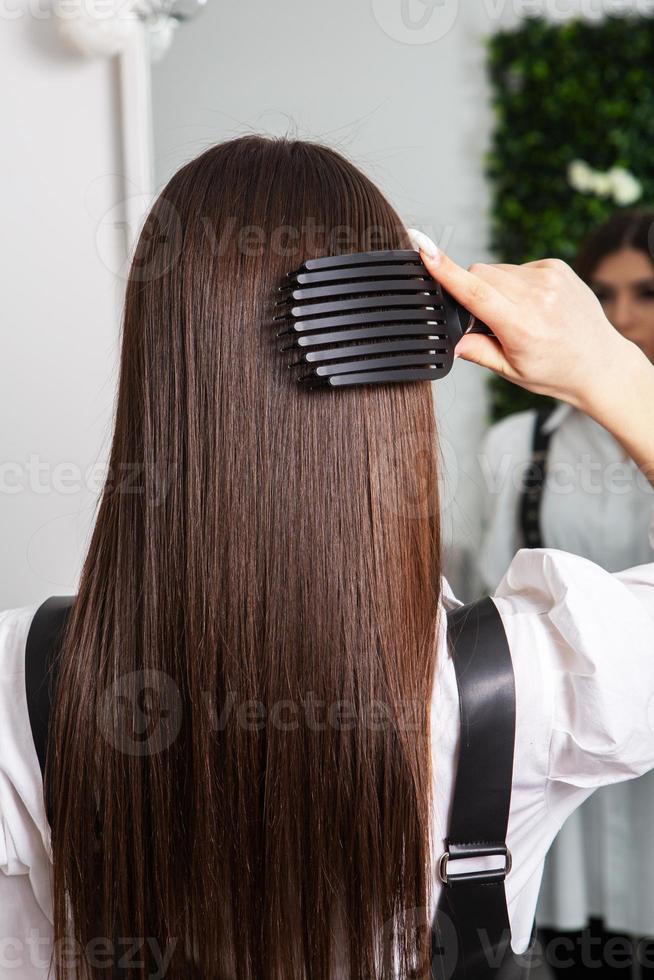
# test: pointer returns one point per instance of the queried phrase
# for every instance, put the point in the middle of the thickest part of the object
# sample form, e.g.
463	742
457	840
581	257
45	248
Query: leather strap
534	483
472	933
42	646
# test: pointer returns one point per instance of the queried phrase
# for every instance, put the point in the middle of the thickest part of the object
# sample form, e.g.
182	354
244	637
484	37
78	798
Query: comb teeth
366	318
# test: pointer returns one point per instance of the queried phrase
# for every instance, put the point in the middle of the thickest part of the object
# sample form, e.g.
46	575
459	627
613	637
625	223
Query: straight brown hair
240	755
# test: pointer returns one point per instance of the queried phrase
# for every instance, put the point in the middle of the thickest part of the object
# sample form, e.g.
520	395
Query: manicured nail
423	243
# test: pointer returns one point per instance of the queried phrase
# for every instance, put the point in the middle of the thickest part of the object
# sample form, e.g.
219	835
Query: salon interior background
408	99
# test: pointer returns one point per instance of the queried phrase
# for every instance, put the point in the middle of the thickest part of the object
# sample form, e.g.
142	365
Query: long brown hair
239	761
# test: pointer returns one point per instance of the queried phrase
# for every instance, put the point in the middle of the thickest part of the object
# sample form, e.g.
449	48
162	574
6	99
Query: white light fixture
104	28
137	32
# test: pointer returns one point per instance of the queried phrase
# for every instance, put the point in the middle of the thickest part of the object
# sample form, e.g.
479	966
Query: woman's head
617	261
266	563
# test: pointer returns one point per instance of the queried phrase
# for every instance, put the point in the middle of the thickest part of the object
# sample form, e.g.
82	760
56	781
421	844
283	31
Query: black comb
370	318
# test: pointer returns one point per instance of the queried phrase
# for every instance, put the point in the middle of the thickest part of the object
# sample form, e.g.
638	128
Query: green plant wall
577	91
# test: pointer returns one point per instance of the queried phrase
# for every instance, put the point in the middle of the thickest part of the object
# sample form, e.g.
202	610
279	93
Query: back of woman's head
240	757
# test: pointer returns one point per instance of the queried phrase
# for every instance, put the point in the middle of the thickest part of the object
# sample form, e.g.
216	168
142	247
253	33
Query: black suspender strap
534	483
472	934
43	640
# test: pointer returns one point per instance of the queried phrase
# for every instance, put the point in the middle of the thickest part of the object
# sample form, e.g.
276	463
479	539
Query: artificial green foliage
562	92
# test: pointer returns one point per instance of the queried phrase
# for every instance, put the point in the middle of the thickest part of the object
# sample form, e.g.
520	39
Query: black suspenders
534	483
471	936
43	640
472	933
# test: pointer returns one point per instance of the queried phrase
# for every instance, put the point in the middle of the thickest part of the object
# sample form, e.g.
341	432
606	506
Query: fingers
477	294
507	279
484	351
548	264
504	266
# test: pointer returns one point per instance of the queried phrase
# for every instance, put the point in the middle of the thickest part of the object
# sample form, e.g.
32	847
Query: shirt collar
561	412
449	599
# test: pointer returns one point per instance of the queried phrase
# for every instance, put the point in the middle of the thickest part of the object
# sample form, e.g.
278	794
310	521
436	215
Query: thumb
483	350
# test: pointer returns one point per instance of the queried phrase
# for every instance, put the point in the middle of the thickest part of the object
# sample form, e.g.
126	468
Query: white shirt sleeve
593	633
582	645
25	853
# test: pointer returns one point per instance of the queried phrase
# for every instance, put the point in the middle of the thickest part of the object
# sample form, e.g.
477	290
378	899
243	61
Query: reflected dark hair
624	229
258	548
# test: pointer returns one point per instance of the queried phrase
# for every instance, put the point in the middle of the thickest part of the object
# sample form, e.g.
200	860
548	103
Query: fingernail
423	243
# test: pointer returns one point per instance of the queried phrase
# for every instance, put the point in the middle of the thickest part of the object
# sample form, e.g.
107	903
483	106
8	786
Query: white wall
60	300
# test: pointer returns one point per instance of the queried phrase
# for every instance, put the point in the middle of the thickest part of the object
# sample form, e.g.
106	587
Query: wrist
622	381
624	405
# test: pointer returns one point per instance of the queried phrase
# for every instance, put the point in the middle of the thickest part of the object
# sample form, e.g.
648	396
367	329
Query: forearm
624	404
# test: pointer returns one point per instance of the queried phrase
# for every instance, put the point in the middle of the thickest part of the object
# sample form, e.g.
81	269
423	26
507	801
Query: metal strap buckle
464	851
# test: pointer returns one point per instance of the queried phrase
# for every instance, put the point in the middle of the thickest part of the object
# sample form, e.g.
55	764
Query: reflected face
624	284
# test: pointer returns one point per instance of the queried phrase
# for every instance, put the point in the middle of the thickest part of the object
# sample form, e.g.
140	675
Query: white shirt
582	644
597	504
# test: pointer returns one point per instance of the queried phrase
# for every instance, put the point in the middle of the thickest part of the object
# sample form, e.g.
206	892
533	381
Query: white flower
617	182
627	189
602	184
580	176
